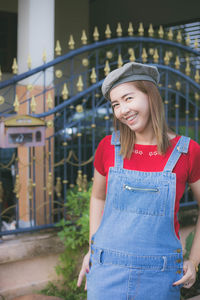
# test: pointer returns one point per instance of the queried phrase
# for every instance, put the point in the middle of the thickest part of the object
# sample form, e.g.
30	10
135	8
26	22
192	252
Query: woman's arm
97	202
190	266
195	250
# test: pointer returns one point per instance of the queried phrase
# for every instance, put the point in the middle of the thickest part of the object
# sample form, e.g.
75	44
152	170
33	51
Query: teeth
131	118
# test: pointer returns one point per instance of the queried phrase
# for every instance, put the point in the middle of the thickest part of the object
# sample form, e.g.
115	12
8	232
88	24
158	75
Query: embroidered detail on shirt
138	152
153	153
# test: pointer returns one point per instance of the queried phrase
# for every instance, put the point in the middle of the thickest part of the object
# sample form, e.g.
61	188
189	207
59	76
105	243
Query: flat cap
131	71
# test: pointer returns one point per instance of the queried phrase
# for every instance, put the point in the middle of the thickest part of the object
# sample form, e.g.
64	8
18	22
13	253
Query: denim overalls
135	253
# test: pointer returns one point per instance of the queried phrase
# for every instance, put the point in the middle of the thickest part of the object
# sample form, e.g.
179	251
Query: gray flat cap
131	71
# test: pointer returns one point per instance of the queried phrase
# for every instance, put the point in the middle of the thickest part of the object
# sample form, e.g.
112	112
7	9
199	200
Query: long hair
127	136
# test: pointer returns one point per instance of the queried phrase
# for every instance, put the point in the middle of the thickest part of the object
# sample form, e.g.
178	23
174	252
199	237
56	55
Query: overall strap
181	147
119	162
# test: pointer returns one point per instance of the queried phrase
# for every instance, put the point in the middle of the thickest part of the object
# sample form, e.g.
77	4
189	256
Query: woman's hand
189	276
84	269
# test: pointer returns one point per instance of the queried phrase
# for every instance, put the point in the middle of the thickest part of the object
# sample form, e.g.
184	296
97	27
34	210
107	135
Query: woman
141	171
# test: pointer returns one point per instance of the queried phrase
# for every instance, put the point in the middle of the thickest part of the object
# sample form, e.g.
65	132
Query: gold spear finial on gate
132	54
177	62
187	69
107	68
197	77
79	180
71	42
29	62
79	84
187	41
49	101
120	61
144	55
151	31
130	29
155	56
141	29
16	104
33	104
58	48
119	30
108	31
96	34
166	58
65	92
170	35
93	76
15	66
84	38
179	37
161	32
0	74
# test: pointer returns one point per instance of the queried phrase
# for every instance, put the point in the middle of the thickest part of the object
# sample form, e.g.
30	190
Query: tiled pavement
195	298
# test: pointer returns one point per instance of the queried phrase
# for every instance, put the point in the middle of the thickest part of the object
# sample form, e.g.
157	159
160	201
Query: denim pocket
140	197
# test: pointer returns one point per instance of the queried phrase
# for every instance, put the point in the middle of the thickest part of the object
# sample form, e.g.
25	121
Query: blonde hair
127	136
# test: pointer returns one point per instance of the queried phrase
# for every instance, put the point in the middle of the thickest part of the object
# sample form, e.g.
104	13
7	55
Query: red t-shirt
145	158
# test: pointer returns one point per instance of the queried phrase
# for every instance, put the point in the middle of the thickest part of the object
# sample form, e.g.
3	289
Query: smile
131	118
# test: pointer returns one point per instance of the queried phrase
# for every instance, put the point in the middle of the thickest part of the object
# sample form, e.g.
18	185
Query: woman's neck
145	139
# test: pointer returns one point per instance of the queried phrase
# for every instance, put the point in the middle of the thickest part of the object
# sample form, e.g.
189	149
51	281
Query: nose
124	108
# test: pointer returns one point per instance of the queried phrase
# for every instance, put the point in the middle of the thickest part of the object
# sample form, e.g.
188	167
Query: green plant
74	234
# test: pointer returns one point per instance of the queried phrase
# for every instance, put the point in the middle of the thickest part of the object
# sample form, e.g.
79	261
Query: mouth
131	118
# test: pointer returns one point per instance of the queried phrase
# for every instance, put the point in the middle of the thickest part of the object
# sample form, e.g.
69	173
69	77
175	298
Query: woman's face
131	107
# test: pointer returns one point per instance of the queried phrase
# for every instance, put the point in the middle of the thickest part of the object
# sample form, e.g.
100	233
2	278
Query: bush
74	234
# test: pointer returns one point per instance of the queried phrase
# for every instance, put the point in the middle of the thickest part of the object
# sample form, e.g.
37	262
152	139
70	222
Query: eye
115	105
129	98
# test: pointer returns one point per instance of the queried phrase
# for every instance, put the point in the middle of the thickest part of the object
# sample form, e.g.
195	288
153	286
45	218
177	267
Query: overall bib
135	253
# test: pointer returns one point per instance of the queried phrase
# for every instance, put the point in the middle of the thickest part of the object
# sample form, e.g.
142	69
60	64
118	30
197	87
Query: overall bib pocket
142	197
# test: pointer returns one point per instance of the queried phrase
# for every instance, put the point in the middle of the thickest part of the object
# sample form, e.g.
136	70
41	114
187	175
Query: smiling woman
140	176
145	95
132	107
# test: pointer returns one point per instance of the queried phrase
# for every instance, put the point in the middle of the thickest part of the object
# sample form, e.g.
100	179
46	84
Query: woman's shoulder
194	146
106	141
104	155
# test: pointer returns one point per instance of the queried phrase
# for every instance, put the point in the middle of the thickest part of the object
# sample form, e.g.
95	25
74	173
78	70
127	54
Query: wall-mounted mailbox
22	130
